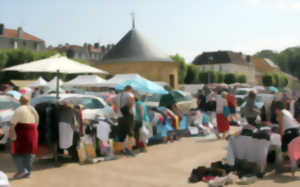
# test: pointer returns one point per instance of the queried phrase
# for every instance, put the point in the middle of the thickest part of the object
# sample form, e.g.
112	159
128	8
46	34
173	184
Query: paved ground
167	165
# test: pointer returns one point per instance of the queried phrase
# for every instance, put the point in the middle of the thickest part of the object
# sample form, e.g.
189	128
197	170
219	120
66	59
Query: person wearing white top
288	126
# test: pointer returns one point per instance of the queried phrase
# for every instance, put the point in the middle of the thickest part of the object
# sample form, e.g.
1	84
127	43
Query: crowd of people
133	116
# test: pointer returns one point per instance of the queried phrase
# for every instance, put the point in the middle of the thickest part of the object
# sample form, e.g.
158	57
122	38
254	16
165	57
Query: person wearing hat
24	136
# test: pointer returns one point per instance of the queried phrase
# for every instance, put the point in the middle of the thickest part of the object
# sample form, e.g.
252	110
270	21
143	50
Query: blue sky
187	27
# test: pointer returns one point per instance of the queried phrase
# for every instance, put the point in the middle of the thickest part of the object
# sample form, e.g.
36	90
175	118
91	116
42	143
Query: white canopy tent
53	82
39	82
118	79
84	81
55	64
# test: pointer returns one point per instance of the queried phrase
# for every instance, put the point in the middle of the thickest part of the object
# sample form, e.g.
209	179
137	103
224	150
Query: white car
8	106
241	94
93	106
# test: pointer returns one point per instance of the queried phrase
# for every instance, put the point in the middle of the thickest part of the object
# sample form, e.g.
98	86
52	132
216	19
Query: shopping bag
81	152
144	133
89	147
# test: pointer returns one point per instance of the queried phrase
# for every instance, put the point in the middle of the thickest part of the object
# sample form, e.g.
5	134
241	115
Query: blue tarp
142	85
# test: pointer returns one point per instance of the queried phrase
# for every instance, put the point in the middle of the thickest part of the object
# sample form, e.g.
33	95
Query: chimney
97	45
1	29
20	32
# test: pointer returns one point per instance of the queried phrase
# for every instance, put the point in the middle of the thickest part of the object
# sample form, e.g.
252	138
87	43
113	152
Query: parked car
8	106
241	94
93	105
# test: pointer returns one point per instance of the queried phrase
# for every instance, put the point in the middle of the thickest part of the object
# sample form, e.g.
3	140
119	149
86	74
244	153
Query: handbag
144	133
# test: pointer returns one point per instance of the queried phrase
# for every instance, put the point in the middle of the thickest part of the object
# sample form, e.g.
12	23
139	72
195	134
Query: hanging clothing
103	131
65	135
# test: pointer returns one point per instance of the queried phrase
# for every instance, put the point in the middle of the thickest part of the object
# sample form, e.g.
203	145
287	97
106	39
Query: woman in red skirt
222	114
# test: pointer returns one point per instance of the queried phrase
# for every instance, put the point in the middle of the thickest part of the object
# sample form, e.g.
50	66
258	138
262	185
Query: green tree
285	82
192	74
203	77
267	80
230	78
242	79
182	67
221	77
276	79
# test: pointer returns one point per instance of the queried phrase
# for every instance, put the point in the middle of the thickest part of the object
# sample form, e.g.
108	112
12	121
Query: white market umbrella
39	82
85	81
55	64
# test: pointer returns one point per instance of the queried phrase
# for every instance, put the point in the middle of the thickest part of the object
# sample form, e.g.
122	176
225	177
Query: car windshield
8	104
241	92
87	102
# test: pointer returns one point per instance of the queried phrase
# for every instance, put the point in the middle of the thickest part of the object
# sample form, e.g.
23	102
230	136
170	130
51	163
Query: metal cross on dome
133	19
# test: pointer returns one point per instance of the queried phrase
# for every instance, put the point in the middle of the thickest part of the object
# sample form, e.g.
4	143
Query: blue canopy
142	85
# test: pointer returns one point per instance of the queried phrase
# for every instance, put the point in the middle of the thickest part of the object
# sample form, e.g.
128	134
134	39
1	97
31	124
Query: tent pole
57	85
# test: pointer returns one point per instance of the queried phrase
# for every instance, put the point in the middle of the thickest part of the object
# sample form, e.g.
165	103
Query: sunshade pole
57	84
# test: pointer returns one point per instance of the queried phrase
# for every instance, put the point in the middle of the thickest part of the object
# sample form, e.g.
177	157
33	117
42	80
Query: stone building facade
226	62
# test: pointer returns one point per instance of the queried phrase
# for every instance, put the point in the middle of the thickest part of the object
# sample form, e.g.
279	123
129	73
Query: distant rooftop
221	57
271	63
14	33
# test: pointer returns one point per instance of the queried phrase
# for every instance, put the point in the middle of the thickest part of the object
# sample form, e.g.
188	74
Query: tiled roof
12	33
220	57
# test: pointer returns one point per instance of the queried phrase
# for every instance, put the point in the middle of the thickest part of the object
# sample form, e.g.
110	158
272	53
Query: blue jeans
23	162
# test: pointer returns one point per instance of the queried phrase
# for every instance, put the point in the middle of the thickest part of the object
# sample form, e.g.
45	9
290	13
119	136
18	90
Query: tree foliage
230	78
182	67
275	79
267	80
242	79
192	74
288	59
